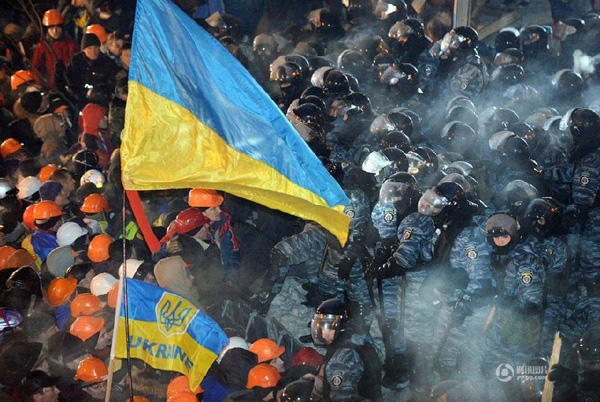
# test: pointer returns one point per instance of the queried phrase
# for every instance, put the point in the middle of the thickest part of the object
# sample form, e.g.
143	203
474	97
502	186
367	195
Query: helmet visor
450	42
324	328
392	192
431	203
400	30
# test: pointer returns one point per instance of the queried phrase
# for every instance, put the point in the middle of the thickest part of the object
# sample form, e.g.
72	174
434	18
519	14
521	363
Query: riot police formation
472	170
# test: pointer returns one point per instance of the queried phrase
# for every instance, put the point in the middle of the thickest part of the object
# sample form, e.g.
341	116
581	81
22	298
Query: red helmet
52	17
186	221
307	357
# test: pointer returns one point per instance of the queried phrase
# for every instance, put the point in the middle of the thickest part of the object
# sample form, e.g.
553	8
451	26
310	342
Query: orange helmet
9	146
266	349
52	17
180	385
264	376
5	252
46	172
113	293
85	327
97	30
60	289
85	304
91	369
19	258
98	248
94	203
183	397
200	197
19	78
46	209
28	219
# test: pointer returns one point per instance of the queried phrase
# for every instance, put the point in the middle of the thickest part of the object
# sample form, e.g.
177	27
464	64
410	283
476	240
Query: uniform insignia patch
388	216
471	254
526	278
585	179
407	234
337	379
550	250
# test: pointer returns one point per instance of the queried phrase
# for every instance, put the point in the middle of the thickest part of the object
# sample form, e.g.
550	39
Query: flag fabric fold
168	332
196	118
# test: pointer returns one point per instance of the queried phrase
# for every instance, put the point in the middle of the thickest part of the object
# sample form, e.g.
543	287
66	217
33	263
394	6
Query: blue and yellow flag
196	118
168	332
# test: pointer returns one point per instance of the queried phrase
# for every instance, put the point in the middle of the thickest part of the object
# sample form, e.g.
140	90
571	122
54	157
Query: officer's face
328	335
502	241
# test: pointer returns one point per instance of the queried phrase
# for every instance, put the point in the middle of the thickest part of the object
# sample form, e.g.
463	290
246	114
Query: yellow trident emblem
174	314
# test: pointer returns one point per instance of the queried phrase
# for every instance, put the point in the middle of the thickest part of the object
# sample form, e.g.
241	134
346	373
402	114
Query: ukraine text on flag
168	332
196	118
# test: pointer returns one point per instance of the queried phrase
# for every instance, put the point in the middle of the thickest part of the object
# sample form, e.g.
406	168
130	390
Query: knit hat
50	190
31	101
89	40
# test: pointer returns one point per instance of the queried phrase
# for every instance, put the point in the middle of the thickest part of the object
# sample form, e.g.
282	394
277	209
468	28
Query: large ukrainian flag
196	118
168	332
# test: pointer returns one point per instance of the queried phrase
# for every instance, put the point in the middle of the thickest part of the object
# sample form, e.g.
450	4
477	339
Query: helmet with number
400	190
307	357
91	370
21	77
330	319
507	38
458	137
85	304
203	198
266	349
517	195
534	40
543	217
263	376
60	289
502	224
92	176
47	209
567	84
298	391
396	139
52	17
98	248
99	31
9	147
95	203
588	349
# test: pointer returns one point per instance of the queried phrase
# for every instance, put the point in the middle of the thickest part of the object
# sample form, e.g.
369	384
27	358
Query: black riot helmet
470	34
358	10
309	113
335	82
408	28
402	122
509	56
506	75
567	84
314	91
298	391
464	115
265	46
497	119
526	132
302	62
515	150
502	224
507	38
381	63
458	137
289	73
390	11
534	40
361	102
330	320
83	161
584	125
224	25
517	195
353	62
432	163
416	122
398	163
325	24
26	279
396	139
315	100
447	197
402	191
543	217
588	349
403	77
461	100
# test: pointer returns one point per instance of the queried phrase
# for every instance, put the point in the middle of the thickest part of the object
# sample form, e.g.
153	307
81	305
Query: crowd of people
471	168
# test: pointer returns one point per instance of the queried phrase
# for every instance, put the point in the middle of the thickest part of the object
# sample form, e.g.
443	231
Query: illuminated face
502	241
55	31
213	213
92	52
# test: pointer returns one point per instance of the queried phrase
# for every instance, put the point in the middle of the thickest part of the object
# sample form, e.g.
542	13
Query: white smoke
584	64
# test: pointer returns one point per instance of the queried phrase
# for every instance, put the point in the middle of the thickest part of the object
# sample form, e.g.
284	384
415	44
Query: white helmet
6	188
102	283
132	267
28	186
68	233
234	342
92	176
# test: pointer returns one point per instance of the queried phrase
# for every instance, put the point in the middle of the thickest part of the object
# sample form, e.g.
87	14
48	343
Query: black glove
574	215
278	259
381	256
389	269
262	302
565	383
461	311
344	267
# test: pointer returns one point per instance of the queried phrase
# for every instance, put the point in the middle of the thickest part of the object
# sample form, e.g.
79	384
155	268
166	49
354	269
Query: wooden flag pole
554	358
